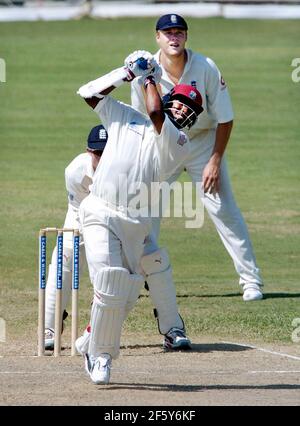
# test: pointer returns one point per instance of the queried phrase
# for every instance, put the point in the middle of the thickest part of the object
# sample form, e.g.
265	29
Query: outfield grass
43	125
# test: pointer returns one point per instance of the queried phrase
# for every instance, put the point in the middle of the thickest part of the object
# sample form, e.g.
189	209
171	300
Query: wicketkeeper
78	178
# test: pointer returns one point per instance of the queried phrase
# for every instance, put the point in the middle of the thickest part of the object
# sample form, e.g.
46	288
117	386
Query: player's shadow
197	388
210	295
281	295
218	347
202	295
196	347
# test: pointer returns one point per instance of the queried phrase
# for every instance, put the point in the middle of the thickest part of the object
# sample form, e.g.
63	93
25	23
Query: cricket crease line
39	372
263	350
147	373
39	357
274	371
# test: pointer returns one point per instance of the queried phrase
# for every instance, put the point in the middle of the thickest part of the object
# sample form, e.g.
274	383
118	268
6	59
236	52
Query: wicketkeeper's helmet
190	97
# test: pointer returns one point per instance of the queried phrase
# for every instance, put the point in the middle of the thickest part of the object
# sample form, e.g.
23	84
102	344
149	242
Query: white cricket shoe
252	292
82	343
49	339
176	339
98	369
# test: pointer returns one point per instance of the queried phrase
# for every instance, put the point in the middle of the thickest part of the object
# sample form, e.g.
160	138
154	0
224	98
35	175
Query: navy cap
171	21
97	138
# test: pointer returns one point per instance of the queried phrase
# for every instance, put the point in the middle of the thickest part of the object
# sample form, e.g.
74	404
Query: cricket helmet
188	96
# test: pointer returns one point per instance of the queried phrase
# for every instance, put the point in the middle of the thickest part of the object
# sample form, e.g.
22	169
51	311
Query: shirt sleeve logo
136	127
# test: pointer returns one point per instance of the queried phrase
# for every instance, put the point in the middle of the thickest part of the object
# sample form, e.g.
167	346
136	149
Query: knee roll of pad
112	287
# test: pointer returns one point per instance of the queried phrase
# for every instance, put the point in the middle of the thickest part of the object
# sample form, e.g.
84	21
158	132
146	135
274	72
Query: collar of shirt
186	67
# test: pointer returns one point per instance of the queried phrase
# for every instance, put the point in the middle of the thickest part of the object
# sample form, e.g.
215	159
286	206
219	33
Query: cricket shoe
82	343
49	334
49	339
176	339
99	368
252	292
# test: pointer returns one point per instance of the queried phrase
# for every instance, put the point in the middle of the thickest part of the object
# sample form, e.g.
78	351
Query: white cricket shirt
134	153
79	176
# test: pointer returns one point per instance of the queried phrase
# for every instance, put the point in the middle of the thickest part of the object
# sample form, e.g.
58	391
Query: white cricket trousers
71	221
112	239
221	208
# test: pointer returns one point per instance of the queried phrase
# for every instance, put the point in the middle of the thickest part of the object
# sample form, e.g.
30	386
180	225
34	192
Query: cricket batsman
139	151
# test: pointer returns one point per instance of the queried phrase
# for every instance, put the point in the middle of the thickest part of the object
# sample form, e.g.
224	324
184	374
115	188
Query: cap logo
192	95
173	19
102	134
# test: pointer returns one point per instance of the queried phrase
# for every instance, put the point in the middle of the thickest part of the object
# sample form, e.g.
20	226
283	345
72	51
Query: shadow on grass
202	295
210	295
281	295
266	295
196	388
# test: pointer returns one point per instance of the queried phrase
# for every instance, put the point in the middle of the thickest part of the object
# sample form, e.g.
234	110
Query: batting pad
111	291
162	290
51	285
114	78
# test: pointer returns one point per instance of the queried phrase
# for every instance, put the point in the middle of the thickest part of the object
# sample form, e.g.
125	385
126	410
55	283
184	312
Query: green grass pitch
44	125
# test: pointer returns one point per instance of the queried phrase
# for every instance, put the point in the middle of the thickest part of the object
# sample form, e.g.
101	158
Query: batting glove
153	76
138	63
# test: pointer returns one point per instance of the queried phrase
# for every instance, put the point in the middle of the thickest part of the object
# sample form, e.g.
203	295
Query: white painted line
39	357
263	350
275	371
39	372
147	373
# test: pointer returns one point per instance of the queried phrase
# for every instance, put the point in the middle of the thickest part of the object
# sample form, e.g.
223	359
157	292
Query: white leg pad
111	290
51	285
137	282
158	272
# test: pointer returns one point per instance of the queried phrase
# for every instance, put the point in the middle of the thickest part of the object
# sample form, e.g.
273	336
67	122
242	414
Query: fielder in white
206	162
115	216
78	178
